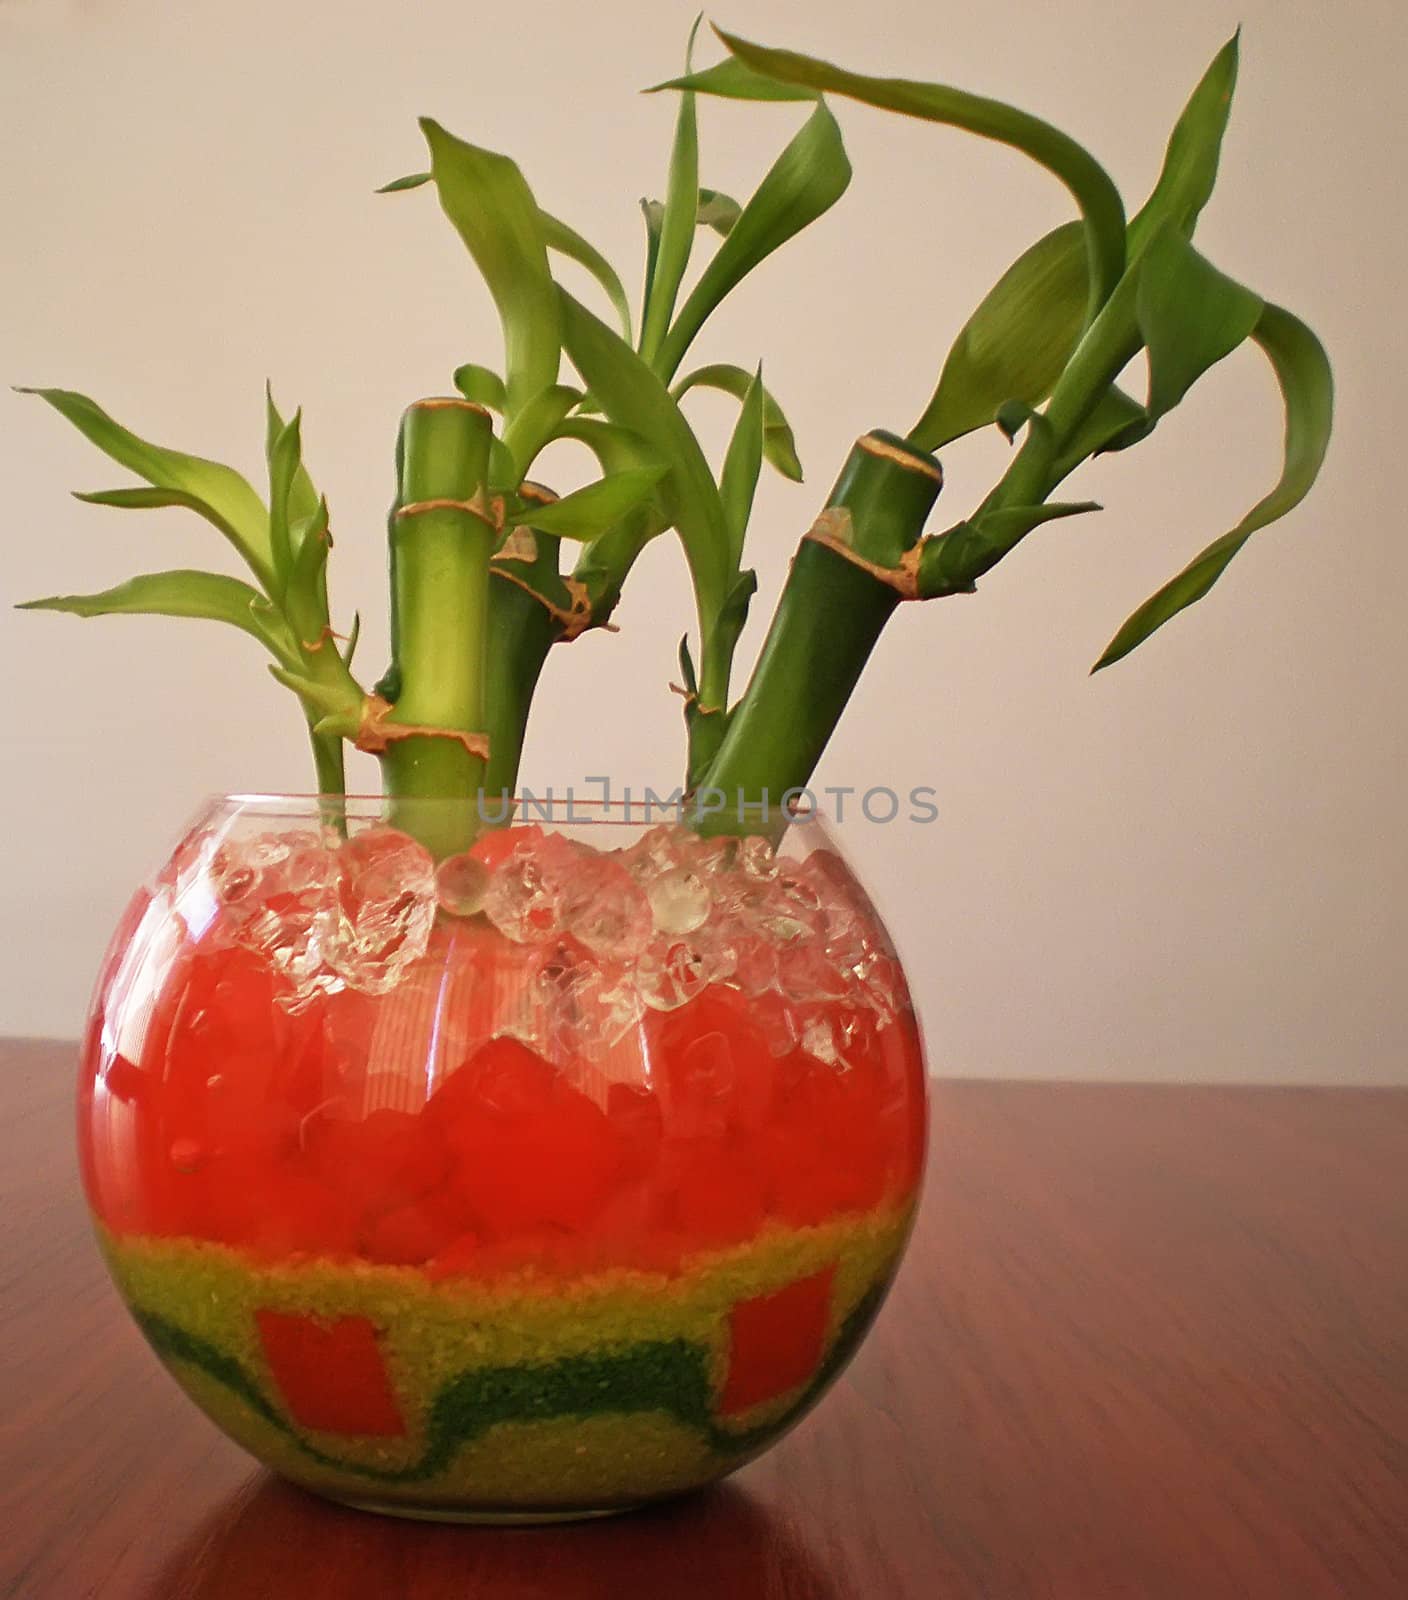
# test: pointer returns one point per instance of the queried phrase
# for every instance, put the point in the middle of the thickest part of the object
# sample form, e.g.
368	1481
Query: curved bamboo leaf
738	482
635	398
1307	386
733	79
1089	183
616	449
1016	344
535	425
412	180
568	242
217	492
558	236
1110	426
1190	315
587	513
493	210
1190	163
779	445
805	181
208	595
673	237
483	386
605	563
718	211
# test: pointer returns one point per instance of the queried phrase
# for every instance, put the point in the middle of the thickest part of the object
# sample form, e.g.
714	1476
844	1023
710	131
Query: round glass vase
534	1180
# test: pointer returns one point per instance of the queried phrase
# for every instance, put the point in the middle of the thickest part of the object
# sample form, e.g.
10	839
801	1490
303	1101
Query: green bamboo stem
527	598
441	538
327	761
832	612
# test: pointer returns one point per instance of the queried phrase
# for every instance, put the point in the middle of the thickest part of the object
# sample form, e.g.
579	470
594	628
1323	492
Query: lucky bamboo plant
480	590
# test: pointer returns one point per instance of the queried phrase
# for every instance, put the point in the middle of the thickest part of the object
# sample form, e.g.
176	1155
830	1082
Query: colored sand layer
372	1384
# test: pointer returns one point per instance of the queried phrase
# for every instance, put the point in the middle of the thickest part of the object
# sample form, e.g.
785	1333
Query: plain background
1189	867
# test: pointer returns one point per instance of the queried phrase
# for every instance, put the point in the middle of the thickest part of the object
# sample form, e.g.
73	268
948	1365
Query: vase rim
552	805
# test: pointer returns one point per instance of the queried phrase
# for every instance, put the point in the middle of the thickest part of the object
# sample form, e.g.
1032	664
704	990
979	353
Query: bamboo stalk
527	605
849	574
442	535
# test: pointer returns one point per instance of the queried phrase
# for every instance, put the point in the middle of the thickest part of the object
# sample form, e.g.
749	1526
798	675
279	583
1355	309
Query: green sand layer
523	1392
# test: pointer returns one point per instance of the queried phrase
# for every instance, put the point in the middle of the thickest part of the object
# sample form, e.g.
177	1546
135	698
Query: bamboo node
489	512
375	733
574	618
521	545
835	530
909	460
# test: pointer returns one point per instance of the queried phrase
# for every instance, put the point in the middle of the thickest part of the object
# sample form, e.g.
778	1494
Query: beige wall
1189	867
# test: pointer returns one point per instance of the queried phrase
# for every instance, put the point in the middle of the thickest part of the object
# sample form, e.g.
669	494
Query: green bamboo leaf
732	79
207	595
412	180
568	242
1089	183
687	674
589	512
673	236
1190	163
305	596
616	449
738	482
1005	527
805	181
482	386
493	210
303	498
1016	344
718	211
779	445
1191	316
605	563
536	424
217	492
143	499
285	454
335	703
1110	426
558	236
951	562
1307	386
654	214
634	397
1014	415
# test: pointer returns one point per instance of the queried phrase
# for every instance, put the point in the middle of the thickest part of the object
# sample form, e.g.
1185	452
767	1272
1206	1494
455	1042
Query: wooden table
1150	1342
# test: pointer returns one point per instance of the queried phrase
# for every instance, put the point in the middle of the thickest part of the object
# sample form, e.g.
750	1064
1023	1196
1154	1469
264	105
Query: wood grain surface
1149	1342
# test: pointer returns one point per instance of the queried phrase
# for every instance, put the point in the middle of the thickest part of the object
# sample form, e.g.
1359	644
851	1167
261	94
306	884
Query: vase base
507	1517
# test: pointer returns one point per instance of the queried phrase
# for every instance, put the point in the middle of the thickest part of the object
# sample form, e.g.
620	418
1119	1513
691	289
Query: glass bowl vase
537	1180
